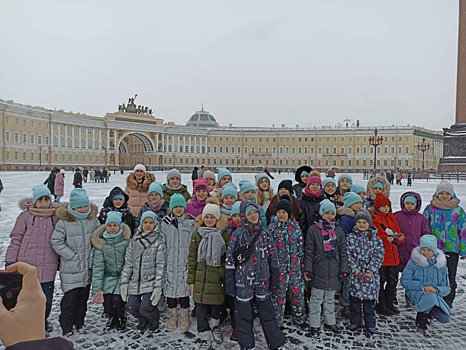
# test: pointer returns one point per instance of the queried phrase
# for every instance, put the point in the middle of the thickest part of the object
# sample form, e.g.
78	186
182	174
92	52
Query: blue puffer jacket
422	272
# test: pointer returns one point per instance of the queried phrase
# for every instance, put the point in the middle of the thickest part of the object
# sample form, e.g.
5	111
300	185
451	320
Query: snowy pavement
395	332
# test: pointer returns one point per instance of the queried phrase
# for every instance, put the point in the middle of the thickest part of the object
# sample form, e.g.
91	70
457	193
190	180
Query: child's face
283	191
113	228
154	197
139	174
228	200
362	225
362	195
249	195
304	178
236	219
385	209
264	184
118	203
174	181
444	196
210	220
345	184
201	195
356	206
82	210
43	202
427	253
314	187
328	216
330	188
377	190
211	182
282	215
224	180
410	206
148	225
178	211
253	216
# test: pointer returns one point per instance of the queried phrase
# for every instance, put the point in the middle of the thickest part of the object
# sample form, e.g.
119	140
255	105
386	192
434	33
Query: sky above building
251	63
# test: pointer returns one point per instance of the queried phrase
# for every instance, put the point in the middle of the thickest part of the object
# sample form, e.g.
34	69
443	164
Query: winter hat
149	214
177	200
113	216
345	176
173	173
119	196
356	188
200	184
155	187
364	215
284	203
212	209
444	186
235	209
250	207
223	172
381	200
261	176
429	241
139	167
304	173
378	184
314	179
245	186
40	191
410	199
62	171
286	184
328	180
229	189
79	198
208	175
351	198
326	206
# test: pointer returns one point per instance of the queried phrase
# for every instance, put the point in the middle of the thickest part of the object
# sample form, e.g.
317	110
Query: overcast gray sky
252	63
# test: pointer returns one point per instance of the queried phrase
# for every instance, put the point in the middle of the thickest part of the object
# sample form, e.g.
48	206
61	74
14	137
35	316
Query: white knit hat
445	186
139	167
212	209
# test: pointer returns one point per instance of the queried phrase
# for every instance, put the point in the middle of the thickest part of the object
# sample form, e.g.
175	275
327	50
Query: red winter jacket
383	221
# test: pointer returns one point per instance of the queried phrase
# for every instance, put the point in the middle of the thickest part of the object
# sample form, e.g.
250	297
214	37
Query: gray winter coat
145	273
325	273
71	239
177	236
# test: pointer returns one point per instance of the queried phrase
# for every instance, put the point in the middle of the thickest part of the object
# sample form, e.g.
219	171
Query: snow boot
172	321
185	320
216	331
206	340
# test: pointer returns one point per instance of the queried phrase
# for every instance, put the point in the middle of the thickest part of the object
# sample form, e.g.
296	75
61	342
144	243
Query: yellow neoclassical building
34	137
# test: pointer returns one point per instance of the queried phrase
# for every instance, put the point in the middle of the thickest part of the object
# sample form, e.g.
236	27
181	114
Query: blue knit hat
113	216
351	198
410	199
325	206
356	188
119	196
429	241
246	186
261	176
223	172
328	180
249	208
177	200
40	191
149	214
155	187
345	176
79	198
378	184
235	209
230	189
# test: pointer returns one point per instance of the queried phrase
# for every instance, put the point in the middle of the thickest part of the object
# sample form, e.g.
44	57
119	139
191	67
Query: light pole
376	142
423	147
40	157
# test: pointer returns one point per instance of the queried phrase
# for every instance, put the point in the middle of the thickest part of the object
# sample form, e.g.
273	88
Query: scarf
225	210
211	247
79	216
42	213
451	204
143	240
113	235
155	206
329	237
174	188
312	193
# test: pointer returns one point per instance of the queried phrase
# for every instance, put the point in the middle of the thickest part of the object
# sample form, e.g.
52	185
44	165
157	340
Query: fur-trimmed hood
63	213
297	174
420	260
372	181
418	205
97	238
144	186
221	224
345	211
26	203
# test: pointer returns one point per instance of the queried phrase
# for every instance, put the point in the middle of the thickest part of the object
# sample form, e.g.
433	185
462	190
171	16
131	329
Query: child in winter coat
251	277
389	231
344	183
325	264
301	176
117	200
264	190
223	177
377	184
425	279
330	189
155	203
59	186
229	197
310	199
177	229
71	239
30	241
412	224
365	257
284	188
447	222
110	242
174	185
211	181
143	272
206	272
288	239
248	193
195	205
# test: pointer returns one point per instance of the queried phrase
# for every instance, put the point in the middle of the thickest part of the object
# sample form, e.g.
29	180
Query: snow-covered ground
394	332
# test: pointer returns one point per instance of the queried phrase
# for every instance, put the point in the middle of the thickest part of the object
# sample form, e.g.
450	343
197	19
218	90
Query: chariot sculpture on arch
133	108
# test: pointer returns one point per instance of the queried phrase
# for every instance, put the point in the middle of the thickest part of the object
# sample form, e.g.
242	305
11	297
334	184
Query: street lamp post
375	142
40	157
423	147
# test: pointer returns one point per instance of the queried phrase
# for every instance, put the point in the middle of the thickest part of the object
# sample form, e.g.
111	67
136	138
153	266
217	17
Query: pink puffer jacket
137	192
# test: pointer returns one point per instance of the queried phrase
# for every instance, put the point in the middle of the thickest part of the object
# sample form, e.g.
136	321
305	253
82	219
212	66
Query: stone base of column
454	149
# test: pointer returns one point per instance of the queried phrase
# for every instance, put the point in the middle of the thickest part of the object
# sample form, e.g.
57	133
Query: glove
98	298
155	297
124	292
8	264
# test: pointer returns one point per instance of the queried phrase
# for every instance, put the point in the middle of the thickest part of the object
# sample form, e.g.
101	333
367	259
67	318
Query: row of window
70	159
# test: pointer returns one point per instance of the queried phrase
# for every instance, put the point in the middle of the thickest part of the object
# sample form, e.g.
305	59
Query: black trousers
229	303
202	314
173	302
369	312
47	288
388	282
452	266
114	306
73	308
141	306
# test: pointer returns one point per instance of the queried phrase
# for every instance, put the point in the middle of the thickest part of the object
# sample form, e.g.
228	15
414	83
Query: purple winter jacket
413	225
195	208
30	242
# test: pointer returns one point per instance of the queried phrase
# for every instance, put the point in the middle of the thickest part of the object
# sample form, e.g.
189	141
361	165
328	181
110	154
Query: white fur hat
139	167
212	209
445	186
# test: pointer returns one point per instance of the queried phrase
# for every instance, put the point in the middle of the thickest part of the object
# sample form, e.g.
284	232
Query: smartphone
10	286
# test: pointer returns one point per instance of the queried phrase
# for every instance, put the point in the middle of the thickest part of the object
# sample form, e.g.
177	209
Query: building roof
202	118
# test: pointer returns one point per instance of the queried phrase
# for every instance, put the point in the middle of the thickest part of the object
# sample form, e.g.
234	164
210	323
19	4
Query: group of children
245	250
